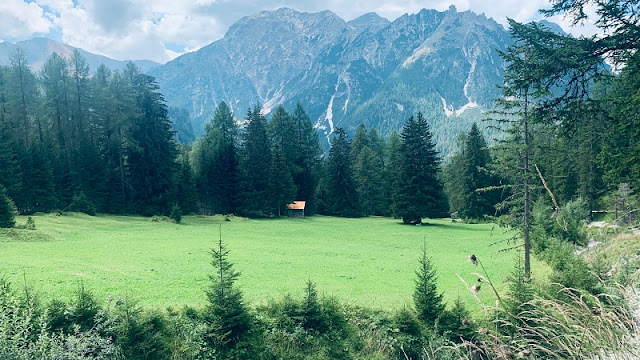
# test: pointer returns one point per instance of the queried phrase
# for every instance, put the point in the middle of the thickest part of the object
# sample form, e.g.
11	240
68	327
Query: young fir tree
229	324
7	210
338	188
427	300
418	192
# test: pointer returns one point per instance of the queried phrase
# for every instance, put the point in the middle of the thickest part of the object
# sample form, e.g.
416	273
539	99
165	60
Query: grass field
369	261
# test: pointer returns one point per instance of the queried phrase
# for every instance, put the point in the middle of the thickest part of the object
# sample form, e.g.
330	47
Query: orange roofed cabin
296	209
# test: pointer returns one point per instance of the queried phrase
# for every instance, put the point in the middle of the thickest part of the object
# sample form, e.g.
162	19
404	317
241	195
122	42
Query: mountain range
368	70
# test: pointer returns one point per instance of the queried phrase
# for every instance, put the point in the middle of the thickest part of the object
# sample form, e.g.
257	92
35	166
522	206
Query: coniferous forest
74	139
103	142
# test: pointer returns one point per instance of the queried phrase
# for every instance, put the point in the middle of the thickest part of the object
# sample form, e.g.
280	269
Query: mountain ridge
368	70
38	50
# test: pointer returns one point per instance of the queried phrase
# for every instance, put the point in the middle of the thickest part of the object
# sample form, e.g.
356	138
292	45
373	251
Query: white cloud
19	20
160	30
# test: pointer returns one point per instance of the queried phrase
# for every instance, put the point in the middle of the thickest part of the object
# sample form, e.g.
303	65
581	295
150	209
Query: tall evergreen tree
338	187
152	154
308	157
418	193
255	167
477	202
368	172
391	169
22	95
10	172
186	194
220	161
282	132
453	176
360	140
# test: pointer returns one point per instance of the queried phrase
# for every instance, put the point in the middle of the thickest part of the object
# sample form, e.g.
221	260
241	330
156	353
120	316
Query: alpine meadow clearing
367	261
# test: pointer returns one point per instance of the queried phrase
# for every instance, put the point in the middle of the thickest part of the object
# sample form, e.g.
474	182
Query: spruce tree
391	170
476	204
152	153
282	188
8	210
368	172
255	166
427	300
418	192
307	163
224	179
186	194
338	188
229	324
284	147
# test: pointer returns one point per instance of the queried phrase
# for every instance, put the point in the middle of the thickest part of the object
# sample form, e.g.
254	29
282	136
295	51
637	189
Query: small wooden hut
296	209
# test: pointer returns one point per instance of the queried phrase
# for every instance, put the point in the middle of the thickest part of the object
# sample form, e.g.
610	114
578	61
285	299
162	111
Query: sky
161	30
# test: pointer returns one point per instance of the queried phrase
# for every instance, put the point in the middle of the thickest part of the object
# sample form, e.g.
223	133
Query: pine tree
338	187
418	193
8	210
229	324
427	300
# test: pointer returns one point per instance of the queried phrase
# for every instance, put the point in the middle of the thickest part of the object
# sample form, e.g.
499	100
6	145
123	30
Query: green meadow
368	261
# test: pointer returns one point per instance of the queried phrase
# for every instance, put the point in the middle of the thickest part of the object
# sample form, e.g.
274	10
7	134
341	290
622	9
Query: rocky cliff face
368	70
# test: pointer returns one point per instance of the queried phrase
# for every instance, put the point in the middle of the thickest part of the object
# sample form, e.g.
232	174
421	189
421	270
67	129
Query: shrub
80	203
176	214
31	224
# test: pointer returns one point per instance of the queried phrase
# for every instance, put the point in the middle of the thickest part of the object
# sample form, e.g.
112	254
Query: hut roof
297	205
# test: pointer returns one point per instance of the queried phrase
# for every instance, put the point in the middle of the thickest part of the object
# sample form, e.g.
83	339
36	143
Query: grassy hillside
369	261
